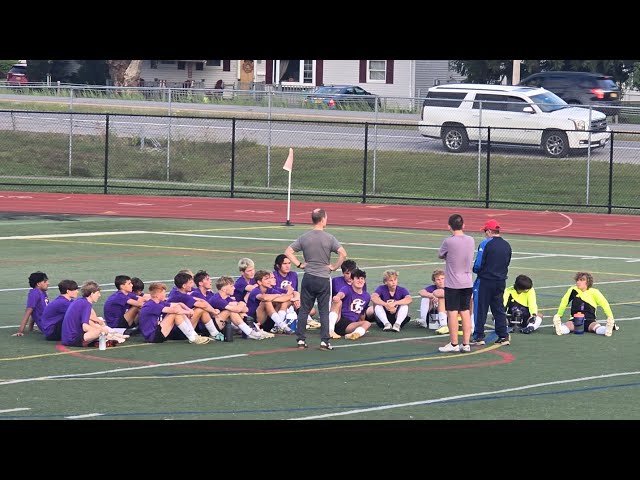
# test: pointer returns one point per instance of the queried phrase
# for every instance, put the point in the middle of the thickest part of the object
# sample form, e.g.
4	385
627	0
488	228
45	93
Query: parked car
17	74
580	88
342	97
517	115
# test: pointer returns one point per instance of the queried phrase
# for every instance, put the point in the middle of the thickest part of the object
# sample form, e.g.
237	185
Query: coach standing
491	267
316	246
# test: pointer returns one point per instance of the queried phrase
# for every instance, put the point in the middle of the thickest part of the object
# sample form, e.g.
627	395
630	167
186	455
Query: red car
17	75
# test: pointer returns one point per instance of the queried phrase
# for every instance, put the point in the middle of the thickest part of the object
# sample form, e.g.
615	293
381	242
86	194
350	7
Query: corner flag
288	165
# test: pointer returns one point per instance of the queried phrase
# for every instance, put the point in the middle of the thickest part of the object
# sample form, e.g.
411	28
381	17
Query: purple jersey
353	304
116	306
240	285
431	288
221	303
385	294
204	296
150	316
253	303
78	313
37	299
53	314
338	283
283	282
187	298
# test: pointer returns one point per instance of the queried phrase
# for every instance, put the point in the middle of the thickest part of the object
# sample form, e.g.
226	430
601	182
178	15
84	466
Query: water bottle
102	341
578	323
228	331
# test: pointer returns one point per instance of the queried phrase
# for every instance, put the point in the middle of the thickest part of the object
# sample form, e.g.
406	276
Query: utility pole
515	77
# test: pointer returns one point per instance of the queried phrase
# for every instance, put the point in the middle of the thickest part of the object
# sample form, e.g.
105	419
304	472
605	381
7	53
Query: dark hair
587	276
522	283
121	280
317	215
348	266
278	262
36	277
260	274
181	278
138	285
456	221
65	285
199	276
357	273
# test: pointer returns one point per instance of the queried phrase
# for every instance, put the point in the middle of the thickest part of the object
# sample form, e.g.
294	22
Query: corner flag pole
288	165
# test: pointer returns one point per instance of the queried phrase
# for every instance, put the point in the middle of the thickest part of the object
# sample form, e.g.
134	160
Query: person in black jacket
491	267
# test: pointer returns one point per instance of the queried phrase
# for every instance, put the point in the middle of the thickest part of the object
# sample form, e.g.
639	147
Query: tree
125	73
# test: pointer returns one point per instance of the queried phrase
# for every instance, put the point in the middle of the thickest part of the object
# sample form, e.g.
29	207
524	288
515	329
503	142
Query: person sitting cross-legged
354	300
391	303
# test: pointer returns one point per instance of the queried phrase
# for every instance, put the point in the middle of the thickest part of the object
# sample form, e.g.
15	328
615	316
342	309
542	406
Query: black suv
580	88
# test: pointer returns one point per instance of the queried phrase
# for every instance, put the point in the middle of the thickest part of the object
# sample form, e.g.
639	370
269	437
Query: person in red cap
491	268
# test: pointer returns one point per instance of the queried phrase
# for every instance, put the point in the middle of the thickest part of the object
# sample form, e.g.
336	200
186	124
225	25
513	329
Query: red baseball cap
491	225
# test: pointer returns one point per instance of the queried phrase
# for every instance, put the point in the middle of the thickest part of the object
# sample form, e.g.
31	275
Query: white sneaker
557	324
255	335
609	327
449	348
352	336
334	335
396	327
387	328
465	348
200	340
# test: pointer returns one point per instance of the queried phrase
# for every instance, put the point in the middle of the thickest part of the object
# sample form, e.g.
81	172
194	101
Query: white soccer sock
442	319
564	329
333	318
245	328
211	328
473	323
600	329
282	314
186	328
401	314
275	316
360	330
381	313
537	322
424	308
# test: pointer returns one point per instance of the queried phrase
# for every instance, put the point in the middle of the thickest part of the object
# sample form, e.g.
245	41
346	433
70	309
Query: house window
153	64
182	65
294	71
167	62
214	63
199	66
376	71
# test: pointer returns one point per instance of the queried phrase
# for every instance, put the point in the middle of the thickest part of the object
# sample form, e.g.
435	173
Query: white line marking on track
86	415
14	410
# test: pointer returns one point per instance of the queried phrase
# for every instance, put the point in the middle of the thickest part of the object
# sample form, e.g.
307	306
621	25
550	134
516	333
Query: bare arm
291	255
342	255
23	322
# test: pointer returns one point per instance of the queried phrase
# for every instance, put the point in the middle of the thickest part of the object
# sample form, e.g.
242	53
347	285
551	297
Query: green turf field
380	376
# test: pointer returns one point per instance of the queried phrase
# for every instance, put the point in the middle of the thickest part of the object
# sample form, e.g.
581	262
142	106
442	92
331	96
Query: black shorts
175	334
341	326
56	335
457	299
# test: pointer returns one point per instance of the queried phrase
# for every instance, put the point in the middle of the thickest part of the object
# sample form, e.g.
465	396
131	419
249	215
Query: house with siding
389	78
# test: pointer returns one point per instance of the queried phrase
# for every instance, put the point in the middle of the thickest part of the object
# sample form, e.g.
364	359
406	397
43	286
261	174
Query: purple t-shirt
458	251
150	315
78	313
37	299
240	285
385	294
221	303
53	314
204	296
253	303
431	288
116	306
283	282
353	304
338	283
187	298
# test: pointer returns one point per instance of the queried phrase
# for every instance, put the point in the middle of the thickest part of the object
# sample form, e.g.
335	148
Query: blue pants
489	294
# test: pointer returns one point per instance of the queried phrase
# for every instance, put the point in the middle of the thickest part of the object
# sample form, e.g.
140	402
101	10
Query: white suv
459	114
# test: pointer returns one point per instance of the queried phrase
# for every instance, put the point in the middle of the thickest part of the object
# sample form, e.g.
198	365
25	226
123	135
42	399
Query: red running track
554	224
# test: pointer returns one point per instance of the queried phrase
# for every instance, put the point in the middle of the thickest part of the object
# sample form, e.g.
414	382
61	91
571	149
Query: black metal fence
358	161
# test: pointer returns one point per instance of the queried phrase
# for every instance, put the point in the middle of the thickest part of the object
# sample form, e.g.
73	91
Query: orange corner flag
288	165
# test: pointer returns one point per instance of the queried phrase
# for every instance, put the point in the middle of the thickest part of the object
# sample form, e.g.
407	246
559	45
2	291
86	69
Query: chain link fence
344	160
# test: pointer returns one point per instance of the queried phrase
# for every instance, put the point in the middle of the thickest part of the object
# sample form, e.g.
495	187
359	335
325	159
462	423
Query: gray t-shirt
316	246
458	251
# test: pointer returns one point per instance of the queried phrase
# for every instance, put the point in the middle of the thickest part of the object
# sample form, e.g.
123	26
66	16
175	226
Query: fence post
609	203
364	170
233	155
487	191
168	166
70	128
106	155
